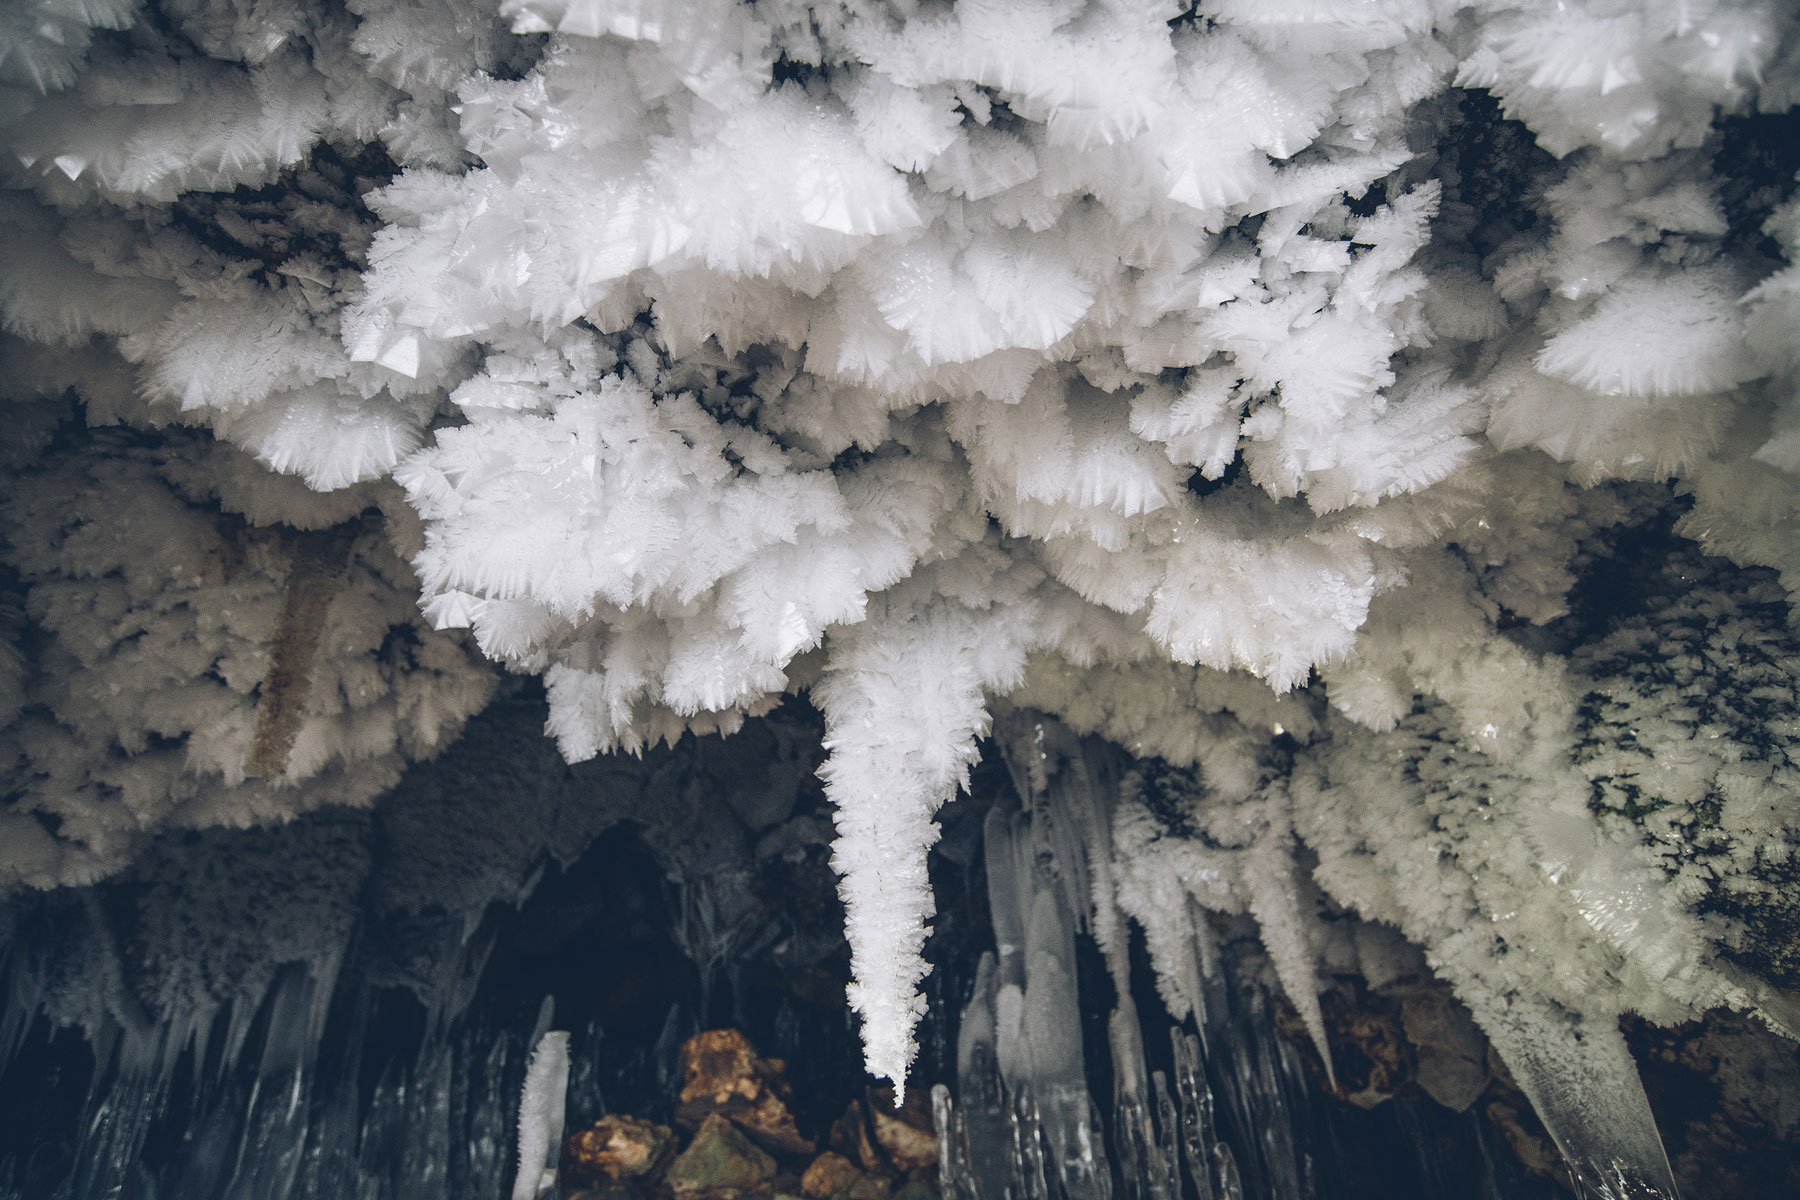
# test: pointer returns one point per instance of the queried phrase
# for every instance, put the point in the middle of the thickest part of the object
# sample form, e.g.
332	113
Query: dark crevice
1756	163
1200	487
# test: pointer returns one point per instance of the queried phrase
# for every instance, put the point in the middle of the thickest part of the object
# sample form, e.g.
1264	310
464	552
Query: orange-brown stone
722	1075
852	1138
870	1187
904	1133
831	1175
717	1065
614	1147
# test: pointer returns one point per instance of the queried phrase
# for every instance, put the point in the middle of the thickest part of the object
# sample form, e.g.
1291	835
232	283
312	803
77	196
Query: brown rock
830	1175
615	1147
1452	1054
1726	1093
612	1189
1369	1049
905	1133
717	1065
719	1160
722	1076
851	1137
870	1187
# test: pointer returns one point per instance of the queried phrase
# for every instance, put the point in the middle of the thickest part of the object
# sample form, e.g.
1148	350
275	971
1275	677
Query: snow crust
1220	381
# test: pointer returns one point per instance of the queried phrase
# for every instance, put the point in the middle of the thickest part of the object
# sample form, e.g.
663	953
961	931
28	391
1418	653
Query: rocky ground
735	1136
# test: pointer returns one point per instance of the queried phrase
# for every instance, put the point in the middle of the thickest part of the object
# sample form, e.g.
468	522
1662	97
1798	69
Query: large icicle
903	704
1273	890
981	1128
1028	998
1068	790
1579	1076
1446	842
1053	1032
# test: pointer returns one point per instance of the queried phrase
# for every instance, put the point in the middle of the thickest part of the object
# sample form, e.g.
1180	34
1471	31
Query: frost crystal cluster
1248	384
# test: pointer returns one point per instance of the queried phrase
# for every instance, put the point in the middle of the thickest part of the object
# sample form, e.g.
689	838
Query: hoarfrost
1234	384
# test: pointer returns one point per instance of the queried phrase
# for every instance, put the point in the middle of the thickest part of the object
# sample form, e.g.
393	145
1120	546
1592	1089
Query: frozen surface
1259	387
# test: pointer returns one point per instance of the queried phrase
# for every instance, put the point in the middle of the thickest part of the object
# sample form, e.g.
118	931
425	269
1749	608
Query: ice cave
899	599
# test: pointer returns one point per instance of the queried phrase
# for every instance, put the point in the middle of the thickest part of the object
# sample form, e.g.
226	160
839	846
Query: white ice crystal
203	668
1200	377
541	1107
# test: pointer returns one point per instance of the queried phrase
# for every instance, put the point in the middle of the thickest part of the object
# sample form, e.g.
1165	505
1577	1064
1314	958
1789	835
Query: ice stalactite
1024	1124
1481	909
933	658
1578	1075
1037	1012
342	1006
1067	827
266	1101
1027	1125
1072	788
1211	1165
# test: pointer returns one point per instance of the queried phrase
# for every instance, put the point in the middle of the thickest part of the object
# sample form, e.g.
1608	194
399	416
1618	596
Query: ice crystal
1251	376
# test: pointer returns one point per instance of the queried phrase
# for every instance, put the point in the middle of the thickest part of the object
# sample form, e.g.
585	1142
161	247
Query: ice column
1026	1124
541	1110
